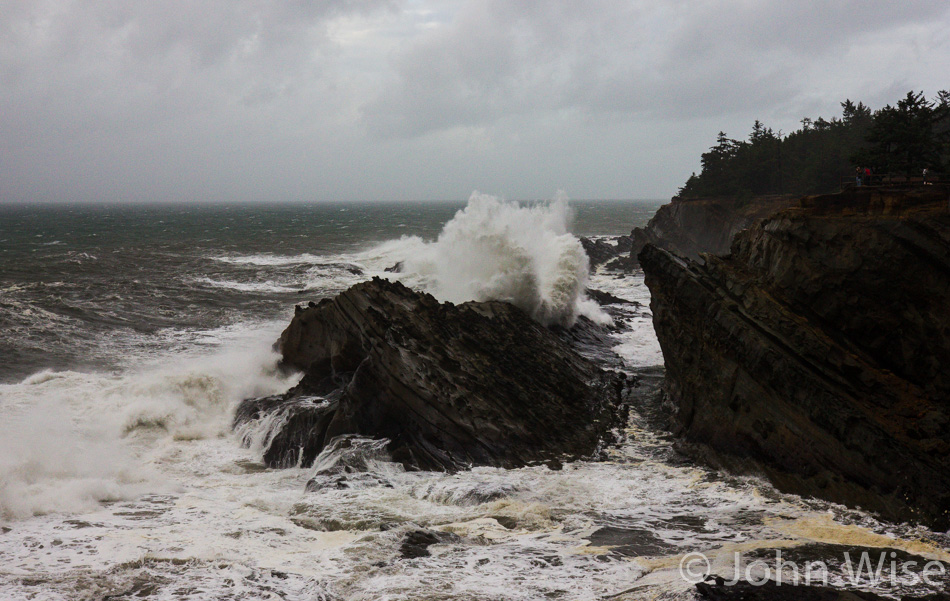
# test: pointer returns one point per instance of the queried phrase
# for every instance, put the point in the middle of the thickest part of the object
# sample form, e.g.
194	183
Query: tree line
903	139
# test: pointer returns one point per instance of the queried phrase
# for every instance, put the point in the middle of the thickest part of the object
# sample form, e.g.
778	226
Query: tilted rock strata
692	227
449	385
819	351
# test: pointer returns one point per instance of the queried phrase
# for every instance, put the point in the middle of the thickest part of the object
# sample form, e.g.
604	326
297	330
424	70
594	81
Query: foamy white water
141	487
267	286
269	259
499	250
130	483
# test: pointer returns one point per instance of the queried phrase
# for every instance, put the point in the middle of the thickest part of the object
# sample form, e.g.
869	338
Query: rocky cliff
449	386
818	351
691	227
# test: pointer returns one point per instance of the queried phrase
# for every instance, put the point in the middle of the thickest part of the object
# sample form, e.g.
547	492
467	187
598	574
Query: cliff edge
818	351
691	227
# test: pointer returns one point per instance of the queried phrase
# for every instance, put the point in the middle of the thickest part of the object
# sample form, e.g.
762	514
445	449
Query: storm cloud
411	99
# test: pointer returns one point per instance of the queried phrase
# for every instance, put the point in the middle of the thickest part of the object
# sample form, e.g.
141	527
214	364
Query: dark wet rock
606	298
347	482
624	262
691	227
844	561
348	454
624	244
592	341
449	386
302	420
397	268
817	351
629	542
718	589
466	493
613	253
417	542
599	251
348	461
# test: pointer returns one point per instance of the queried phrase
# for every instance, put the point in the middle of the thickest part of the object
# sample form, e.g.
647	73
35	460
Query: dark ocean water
129	335
82	285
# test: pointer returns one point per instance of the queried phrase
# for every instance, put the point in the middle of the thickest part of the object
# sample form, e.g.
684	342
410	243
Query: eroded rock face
819	350
450	386
691	227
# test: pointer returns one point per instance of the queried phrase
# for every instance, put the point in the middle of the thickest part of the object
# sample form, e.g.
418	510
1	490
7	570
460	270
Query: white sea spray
501	250
71	440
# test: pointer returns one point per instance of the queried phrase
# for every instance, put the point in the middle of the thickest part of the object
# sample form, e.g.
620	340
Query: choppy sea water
129	335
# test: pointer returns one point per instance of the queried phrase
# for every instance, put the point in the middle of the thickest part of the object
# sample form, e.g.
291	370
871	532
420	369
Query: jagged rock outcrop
449	386
605	298
691	227
818	351
614	252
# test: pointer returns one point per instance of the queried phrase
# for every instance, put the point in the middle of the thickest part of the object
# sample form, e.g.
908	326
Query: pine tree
904	139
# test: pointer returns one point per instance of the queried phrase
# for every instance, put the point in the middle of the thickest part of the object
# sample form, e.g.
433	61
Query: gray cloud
673	59
246	99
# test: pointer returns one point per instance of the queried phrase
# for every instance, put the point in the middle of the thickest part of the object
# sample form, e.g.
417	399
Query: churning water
130	333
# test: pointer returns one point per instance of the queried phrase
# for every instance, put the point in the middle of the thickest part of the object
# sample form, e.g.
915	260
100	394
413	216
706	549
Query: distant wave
268	286
268	259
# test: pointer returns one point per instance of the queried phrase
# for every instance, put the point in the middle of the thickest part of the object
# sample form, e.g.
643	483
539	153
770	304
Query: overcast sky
427	99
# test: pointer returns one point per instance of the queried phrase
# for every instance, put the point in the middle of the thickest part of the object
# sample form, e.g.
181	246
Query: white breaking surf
500	250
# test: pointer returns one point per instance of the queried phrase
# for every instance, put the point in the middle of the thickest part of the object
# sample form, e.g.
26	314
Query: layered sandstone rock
818	351
691	227
450	386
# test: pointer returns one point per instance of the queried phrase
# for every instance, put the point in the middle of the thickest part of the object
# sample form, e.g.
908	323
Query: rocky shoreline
449	386
813	352
687	228
816	352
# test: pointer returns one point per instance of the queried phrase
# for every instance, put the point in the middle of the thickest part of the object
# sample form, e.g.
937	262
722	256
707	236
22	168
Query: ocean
131	332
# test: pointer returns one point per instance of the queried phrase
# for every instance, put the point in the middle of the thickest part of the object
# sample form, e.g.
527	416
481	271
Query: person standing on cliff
925	176
867	176
857	176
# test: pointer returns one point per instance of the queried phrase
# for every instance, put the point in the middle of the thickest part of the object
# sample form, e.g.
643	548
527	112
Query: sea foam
71	440
500	250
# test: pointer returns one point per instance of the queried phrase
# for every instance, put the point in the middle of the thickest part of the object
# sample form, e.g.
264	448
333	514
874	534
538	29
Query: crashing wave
500	250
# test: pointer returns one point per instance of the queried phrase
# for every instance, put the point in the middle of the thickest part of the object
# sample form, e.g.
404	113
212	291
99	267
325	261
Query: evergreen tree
903	139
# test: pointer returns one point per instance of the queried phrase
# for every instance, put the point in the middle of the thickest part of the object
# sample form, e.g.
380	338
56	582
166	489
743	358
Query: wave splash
500	250
71	440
